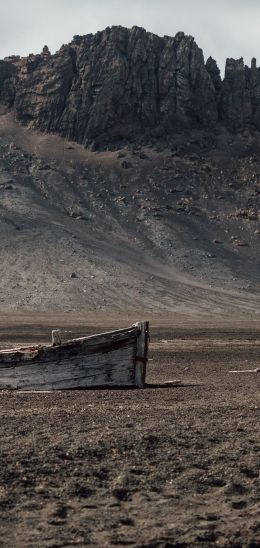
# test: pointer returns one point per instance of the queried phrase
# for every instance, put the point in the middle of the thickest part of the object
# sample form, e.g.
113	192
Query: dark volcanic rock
8	78
241	95
185	90
214	72
124	84
43	90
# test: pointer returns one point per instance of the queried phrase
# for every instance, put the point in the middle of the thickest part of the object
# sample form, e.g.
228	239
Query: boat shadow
171	384
149	386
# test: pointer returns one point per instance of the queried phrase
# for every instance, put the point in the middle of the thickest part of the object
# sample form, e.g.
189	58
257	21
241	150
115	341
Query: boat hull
113	359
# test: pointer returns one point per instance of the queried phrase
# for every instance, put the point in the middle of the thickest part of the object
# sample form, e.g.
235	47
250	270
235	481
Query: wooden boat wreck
112	359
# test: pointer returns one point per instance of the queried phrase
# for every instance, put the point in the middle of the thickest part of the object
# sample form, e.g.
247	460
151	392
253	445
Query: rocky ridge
124	85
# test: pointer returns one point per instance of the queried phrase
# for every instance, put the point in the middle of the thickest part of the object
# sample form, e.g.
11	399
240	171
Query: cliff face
241	95
122	83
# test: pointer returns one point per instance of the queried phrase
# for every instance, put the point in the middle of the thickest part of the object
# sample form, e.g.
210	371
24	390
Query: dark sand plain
174	465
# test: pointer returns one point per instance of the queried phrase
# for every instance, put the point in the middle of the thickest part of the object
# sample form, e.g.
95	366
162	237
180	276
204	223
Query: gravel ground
176	464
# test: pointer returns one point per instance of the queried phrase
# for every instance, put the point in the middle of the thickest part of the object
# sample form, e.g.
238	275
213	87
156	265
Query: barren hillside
154	229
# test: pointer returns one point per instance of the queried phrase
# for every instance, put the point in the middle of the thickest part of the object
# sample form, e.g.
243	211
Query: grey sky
222	28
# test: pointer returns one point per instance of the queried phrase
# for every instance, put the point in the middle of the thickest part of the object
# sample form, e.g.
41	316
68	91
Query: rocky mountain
140	194
124	85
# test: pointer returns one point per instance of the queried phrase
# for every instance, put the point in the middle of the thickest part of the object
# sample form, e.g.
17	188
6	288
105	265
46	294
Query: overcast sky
222	28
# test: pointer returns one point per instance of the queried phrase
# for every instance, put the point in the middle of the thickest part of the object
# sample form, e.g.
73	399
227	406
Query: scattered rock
239	504
12	146
143	156
126	165
240	243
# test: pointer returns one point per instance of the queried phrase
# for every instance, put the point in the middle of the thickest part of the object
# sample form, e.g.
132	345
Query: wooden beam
56	337
245	371
141	353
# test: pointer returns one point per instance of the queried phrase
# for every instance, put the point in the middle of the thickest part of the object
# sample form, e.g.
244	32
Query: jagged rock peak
46	53
213	70
234	65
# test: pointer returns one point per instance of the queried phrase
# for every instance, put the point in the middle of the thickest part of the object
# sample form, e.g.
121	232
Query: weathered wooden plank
104	342
117	369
